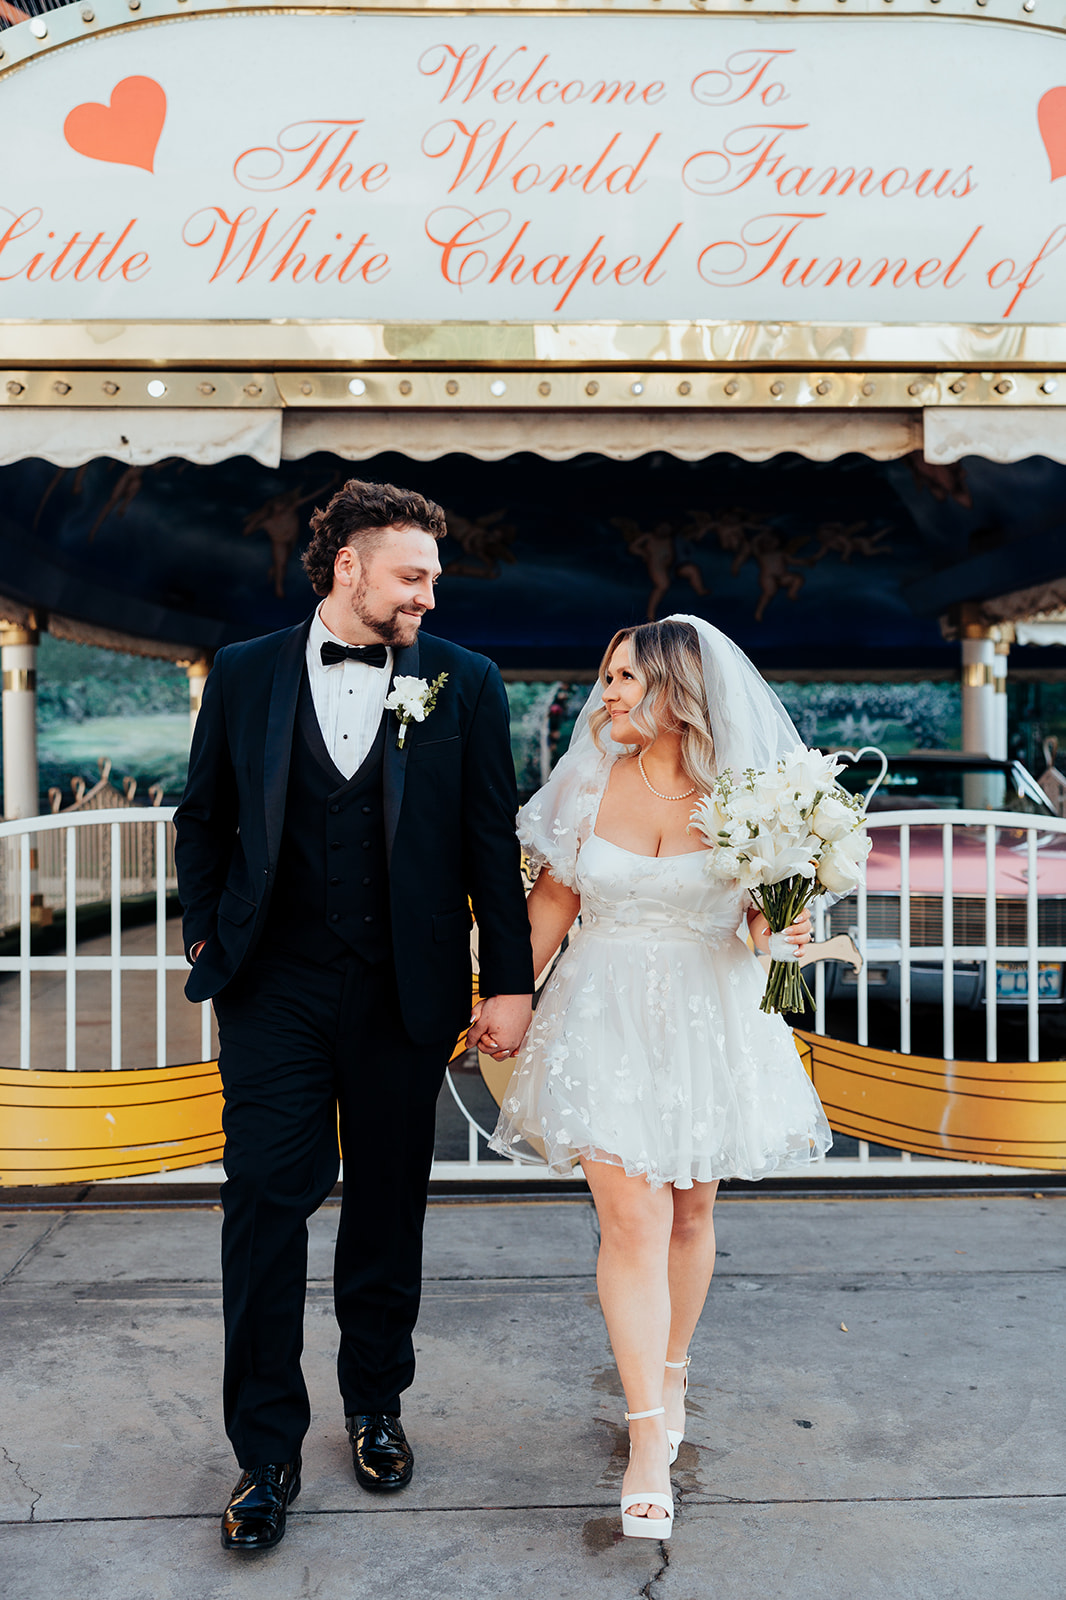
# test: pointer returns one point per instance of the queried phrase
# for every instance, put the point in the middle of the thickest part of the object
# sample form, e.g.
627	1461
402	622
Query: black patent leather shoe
382	1458
255	1516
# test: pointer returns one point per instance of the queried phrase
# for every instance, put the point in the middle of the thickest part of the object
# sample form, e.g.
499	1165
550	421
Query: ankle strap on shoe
638	1416
680	1364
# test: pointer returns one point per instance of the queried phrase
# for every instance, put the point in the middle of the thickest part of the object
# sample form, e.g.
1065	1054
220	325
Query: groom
326	869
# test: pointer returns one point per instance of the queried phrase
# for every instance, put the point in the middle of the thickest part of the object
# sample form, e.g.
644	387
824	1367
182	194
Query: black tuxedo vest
331	891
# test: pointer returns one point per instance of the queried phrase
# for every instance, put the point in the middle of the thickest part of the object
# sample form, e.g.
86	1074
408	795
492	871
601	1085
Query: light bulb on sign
157	388
498	387
357	386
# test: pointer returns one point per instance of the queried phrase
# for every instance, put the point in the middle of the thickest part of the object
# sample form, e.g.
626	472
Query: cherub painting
278	519
485	543
663	553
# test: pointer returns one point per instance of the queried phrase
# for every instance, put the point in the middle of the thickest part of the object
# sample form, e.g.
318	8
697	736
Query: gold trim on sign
154	345
28	41
367	388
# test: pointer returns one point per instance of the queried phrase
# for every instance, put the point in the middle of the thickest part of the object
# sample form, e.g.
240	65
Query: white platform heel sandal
647	1527
672	1434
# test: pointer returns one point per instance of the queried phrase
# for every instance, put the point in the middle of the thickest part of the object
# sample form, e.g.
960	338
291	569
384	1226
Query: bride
648	1060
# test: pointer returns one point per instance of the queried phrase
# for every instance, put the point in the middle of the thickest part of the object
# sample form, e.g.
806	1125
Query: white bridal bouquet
786	837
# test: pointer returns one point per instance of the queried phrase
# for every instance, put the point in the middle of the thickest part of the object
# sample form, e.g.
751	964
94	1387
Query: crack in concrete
649	1590
296	1514
16	1467
32	1249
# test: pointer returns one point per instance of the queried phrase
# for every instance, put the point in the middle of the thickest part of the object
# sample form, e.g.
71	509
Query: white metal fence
66	863
77	860
991	929
94	855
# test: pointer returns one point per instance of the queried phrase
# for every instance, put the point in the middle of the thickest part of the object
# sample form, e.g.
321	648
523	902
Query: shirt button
366	881
334	882
336	845
334	916
368	919
366	811
334	809
366	844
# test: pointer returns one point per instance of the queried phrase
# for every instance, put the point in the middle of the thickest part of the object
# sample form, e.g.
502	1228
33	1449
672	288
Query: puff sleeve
554	825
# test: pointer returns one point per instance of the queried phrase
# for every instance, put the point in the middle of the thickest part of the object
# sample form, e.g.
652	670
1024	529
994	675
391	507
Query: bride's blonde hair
665	659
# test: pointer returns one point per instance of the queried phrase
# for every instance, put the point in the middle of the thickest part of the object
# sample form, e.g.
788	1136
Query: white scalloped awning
1043	630
619	435
69	436
1010	434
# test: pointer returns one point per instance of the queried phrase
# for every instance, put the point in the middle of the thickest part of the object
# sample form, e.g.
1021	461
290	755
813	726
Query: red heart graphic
1051	115
126	131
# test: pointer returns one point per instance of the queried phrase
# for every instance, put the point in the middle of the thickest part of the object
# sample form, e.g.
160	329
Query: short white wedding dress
648	1049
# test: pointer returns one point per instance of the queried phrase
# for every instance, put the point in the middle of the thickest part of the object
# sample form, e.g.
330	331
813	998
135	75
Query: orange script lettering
316	149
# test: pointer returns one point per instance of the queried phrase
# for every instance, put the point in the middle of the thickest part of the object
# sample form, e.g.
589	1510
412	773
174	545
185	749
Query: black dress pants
299	1040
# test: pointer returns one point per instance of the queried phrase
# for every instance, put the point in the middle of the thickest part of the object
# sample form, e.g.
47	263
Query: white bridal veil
749	725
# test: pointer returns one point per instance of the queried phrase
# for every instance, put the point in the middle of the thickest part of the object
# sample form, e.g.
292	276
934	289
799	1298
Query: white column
196	672
999	687
981	791
18	658
978	693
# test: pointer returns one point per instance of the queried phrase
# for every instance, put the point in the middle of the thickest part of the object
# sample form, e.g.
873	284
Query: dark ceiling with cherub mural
807	565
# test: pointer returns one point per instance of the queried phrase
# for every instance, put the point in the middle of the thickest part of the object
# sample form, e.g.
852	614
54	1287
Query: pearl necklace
656	792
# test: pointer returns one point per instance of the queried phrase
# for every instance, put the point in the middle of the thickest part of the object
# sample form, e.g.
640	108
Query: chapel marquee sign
497	168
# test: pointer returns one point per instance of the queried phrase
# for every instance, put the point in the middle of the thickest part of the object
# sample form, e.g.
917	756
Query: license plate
1012	980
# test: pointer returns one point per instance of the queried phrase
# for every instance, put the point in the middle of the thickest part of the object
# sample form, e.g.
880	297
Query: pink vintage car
945	782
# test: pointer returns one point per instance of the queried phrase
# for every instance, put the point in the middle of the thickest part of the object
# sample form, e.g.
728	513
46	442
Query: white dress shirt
349	700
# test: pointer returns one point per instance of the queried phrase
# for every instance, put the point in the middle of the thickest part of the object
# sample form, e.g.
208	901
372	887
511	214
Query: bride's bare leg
691	1263
633	1282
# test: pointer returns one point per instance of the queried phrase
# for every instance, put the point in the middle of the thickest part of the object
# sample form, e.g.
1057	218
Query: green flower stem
781	904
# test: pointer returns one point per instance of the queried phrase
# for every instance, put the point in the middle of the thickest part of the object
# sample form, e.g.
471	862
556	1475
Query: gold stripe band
20	680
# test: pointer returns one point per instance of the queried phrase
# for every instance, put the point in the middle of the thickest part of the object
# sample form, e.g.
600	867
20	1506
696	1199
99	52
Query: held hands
799	932
498	1025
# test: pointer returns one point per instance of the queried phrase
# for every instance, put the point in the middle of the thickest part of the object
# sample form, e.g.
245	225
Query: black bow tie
372	655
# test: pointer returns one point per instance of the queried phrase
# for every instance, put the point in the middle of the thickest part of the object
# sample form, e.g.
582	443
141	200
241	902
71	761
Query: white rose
724	864
747	806
855	846
832	819
839	871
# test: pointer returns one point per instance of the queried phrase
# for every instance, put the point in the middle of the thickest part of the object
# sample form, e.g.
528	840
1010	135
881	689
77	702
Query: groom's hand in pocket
499	1025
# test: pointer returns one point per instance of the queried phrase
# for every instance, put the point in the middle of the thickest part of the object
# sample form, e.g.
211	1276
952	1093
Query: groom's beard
398	628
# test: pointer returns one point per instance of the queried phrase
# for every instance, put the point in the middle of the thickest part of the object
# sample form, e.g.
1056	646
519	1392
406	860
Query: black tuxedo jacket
450	806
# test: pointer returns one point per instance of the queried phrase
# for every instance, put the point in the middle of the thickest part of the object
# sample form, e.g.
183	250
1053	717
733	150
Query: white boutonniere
413	699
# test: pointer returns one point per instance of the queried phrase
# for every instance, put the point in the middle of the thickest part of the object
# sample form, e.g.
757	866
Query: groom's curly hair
358	515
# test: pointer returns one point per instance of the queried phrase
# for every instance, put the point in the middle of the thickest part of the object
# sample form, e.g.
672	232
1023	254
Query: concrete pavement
918	1454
